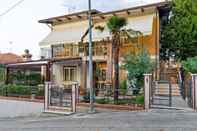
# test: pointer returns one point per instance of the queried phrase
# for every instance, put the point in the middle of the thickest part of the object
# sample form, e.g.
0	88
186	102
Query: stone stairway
165	96
164	89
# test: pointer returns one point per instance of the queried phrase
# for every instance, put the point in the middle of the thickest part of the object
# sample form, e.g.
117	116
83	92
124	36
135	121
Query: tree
137	65
115	25
179	37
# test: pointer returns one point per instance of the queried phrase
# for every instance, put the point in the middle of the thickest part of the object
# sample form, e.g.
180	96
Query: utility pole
90	59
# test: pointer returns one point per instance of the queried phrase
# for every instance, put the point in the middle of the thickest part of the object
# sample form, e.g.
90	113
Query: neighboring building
66	45
8	58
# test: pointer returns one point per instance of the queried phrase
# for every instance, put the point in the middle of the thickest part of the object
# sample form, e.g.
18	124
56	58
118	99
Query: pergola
29	65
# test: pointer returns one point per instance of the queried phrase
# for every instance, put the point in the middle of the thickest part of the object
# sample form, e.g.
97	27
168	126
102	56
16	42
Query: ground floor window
70	73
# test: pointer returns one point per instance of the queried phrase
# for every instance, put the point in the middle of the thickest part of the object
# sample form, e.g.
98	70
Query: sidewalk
14	108
153	120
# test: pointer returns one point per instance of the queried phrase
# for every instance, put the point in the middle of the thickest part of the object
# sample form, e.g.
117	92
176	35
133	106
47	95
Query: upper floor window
45	53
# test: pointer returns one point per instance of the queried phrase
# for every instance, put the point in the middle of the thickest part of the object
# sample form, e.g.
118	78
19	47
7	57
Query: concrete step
163	89
167	93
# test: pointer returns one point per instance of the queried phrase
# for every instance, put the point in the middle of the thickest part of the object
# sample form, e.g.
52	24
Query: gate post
46	95
74	97
147	90
194	90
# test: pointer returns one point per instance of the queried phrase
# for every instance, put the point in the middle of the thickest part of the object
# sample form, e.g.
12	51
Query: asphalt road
155	120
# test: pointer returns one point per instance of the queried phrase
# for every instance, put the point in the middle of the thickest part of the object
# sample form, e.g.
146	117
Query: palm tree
115	25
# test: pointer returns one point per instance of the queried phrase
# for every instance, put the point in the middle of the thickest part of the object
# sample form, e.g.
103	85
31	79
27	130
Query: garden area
22	84
130	91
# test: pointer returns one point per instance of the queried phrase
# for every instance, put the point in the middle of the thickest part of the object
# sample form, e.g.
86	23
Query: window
45	52
70	74
58	50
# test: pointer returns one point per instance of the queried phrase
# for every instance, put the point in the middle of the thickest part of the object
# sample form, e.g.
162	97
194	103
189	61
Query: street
154	120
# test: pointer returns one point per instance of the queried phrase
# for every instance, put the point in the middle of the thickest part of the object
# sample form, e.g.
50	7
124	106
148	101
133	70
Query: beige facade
67	40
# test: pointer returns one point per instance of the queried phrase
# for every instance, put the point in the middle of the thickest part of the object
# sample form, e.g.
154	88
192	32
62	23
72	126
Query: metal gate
161	94
60	99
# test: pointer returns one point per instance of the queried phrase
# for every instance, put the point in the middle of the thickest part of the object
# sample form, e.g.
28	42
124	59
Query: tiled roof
7	58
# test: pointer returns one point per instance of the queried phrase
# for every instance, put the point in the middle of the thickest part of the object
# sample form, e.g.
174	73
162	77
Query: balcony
65	50
76	50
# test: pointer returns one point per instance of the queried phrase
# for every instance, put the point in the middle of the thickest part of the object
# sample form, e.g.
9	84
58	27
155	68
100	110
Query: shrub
123	87
2	73
18	90
137	65
139	99
40	92
190	65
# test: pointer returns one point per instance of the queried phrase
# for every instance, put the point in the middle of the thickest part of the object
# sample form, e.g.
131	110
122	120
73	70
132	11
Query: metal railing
62	97
106	95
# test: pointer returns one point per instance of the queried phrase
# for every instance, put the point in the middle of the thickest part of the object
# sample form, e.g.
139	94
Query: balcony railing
71	50
98	49
65	51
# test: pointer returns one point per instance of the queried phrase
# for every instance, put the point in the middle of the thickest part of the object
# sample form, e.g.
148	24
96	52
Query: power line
11	8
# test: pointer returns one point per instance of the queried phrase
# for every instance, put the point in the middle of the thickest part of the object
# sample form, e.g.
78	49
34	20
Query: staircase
167	93
163	90
170	74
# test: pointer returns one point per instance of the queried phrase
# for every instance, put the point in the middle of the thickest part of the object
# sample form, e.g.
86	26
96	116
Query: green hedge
190	65
2	73
19	90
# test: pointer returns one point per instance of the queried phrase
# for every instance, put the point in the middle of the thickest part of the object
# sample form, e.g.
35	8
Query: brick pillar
147	89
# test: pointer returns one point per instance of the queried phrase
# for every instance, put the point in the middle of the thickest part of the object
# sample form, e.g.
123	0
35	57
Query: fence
189	89
107	97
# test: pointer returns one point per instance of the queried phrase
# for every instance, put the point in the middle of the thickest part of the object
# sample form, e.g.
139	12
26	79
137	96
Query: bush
139	99
40	92
123	87
21	78
190	65
2	73
18	90
136	66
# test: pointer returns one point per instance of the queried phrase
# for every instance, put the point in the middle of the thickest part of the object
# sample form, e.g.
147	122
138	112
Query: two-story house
66	44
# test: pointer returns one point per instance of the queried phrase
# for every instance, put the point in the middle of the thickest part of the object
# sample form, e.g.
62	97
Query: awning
72	33
66	34
144	24
28	64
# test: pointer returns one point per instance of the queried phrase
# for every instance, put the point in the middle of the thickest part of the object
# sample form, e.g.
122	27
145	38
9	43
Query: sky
20	30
